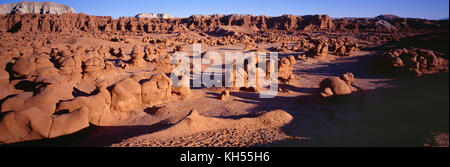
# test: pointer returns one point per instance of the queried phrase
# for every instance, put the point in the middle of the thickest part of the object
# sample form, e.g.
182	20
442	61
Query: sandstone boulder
25	65
137	57
4	76
69	64
414	61
29	124
285	67
320	50
35	7
149	55
44	99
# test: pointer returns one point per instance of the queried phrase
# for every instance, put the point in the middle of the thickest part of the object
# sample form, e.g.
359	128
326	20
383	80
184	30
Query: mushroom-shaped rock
285	67
414	61
132	87
137	56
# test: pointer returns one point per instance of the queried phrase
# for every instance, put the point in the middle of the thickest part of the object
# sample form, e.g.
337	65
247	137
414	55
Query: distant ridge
35	7
151	15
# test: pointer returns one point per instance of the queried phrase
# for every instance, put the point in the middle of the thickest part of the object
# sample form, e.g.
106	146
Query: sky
428	9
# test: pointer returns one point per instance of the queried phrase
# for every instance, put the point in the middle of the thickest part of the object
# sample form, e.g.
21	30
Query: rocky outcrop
98	105
82	22
35	7
28	64
157	89
45	98
137	57
69	123
33	124
387	23
69	64
337	85
285	67
22	125
414	61
122	100
387	17
320	50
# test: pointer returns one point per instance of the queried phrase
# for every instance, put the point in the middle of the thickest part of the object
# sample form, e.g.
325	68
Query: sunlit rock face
151	15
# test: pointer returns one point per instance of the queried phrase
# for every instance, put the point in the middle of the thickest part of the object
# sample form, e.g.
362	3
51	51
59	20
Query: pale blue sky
429	9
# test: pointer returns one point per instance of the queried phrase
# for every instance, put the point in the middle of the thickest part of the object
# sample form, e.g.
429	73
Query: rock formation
45	99
32	124
148	53
92	67
98	105
415	61
137	57
151	15
35	7
320	50
122	100
69	63
224	94
27	64
61	71
285	67
157	89
70	22
337	85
